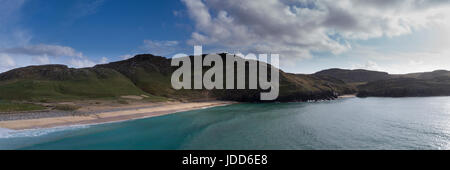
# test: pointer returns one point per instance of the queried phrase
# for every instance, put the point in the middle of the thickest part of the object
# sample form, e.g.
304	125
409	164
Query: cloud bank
297	28
44	49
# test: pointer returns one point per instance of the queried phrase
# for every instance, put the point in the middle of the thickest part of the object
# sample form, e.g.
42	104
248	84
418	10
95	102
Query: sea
343	124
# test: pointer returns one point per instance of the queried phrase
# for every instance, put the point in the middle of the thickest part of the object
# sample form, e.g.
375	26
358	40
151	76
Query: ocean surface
351	123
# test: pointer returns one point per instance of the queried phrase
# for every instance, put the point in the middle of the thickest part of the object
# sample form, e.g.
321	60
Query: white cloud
103	60
6	62
81	63
44	49
369	65
15	40
160	47
156	44
398	61
294	29
44	54
125	57
40	60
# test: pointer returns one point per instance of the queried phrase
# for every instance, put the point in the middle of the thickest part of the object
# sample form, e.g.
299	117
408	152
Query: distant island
147	77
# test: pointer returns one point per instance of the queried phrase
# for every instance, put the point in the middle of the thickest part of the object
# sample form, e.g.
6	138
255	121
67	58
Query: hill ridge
150	75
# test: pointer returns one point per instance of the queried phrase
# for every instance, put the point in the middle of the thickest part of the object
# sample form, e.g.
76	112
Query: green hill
153	73
301	87
354	76
381	84
150	75
427	75
406	87
58	82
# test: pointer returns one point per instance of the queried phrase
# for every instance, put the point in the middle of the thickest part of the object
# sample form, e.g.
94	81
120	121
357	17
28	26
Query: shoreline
347	96
126	114
92	116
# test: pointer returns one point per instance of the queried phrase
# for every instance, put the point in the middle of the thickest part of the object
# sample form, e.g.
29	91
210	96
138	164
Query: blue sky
398	36
101	28
105	27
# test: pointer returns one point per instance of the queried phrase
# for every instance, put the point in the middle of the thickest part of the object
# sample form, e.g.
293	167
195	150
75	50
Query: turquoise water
353	123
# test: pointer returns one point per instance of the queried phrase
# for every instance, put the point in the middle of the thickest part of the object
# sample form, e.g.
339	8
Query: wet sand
127	113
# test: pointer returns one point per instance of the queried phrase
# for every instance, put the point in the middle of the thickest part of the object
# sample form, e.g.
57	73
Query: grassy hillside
427	75
58	82
6	106
152	74
380	84
406	87
301	87
354	76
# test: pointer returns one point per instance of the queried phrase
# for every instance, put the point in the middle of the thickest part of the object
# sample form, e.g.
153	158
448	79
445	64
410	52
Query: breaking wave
8	133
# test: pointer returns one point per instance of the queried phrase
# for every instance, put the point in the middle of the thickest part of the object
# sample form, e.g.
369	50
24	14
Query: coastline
347	96
125	114
99	115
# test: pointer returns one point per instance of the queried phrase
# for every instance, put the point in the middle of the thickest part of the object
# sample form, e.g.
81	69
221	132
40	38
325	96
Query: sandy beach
347	96
105	116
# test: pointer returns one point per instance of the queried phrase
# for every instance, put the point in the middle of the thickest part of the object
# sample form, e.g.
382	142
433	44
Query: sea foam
9	133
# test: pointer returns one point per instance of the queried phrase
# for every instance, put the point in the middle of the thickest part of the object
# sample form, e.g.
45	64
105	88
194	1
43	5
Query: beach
347	96
102	115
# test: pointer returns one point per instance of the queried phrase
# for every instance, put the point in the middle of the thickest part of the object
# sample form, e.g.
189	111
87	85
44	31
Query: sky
396	36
